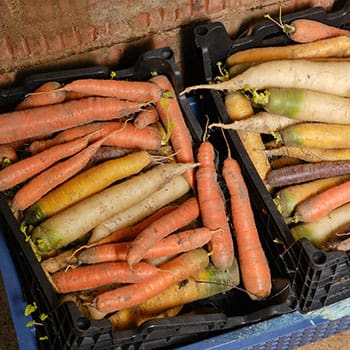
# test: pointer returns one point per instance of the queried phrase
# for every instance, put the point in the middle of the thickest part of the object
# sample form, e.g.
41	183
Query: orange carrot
173	271
129	233
254	266
24	169
146	117
168	223
52	177
7	152
171	245
138	91
172	118
323	203
212	208
93	276
50	97
32	122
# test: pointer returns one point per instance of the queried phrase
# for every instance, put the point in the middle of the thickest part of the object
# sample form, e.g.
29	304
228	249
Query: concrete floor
8	337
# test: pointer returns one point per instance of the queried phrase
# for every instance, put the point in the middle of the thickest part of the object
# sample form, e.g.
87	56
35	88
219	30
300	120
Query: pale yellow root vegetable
76	221
172	191
59	261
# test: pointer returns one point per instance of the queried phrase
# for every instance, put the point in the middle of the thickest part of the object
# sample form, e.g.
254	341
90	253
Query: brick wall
41	34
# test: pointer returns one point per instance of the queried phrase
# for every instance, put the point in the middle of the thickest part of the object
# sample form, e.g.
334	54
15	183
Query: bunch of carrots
125	218
290	107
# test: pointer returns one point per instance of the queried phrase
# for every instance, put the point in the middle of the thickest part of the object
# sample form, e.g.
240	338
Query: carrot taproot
73	222
26	168
254	267
32	122
310	154
85	184
130	232
169	193
330	47
146	117
307	172
7	152
50	178
138	91
320	231
208	282
321	135
60	261
178	218
212	207
173	244
172	118
261	122
287	198
322	203
322	76
93	276
50	97
173	271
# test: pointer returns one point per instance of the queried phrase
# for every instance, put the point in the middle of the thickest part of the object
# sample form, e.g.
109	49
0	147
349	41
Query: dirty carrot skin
178	218
173	244
24	169
307	172
322	203
85	184
310	154
139	91
172	118
326	77
212	208
96	275
32	122
146	117
206	283
173	271
254	267
289	197
49	98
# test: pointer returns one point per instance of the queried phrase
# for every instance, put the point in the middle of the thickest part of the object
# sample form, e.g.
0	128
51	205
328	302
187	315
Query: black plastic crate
319	278
66	327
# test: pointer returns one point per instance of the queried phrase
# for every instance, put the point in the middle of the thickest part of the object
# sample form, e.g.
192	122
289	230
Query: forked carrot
212	208
254	267
175	270
139	91
32	122
96	275
52	177
172	118
173	244
168	223
50	97
25	168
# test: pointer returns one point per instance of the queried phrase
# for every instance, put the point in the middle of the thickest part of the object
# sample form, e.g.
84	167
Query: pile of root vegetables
123	211
290	106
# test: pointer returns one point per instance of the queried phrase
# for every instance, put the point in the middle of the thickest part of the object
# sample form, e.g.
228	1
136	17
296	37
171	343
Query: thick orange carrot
172	118
254	266
96	275
129	233
146	117
52	177
171	245
50	97
139	91
212	208
8	152
168	223
323	203
32	122
26	168
175	270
